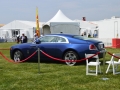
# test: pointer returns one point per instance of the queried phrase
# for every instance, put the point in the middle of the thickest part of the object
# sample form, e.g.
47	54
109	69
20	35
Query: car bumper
102	53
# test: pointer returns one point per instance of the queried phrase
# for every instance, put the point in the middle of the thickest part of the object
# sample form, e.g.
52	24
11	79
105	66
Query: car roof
66	35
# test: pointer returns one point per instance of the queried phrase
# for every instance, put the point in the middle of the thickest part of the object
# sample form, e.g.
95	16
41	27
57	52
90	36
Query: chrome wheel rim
70	58
17	56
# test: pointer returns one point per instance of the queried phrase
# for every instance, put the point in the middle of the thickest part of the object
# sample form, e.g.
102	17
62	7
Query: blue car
58	46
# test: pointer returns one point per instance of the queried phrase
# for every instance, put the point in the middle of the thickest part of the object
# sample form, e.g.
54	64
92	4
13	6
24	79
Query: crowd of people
95	35
84	34
24	39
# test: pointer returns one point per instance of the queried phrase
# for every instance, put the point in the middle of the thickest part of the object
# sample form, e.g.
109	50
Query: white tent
87	26
59	17
109	28
15	27
60	23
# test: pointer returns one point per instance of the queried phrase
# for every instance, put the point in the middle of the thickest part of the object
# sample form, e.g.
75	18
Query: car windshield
81	37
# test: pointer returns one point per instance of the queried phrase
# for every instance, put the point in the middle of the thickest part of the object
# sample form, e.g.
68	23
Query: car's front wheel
70	58
17	56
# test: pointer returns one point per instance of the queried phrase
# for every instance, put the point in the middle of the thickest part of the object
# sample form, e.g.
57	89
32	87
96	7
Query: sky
93	10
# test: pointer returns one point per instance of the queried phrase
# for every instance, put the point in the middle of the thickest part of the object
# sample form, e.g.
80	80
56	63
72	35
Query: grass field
52	76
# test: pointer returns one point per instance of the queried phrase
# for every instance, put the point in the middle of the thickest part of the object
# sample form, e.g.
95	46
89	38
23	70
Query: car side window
60	39
48	39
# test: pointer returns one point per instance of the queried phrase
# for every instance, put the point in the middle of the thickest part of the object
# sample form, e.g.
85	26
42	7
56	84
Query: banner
37	23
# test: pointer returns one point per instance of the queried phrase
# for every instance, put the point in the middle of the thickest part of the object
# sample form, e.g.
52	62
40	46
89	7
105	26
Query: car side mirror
38	41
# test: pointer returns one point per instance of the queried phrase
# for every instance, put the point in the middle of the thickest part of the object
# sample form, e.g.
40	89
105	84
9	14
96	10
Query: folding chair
95	63
114	64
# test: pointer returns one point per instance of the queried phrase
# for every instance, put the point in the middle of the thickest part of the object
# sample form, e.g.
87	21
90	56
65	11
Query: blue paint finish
56	49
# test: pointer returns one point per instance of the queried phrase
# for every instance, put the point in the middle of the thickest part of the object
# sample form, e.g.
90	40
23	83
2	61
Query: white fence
107	41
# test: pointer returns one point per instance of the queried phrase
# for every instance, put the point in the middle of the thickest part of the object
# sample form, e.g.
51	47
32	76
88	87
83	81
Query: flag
37	23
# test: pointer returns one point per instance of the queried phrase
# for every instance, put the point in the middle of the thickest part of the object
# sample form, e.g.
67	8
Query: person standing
24	38
18	38
35	37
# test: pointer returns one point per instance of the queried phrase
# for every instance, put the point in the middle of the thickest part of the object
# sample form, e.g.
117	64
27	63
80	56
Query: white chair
114	64
95	63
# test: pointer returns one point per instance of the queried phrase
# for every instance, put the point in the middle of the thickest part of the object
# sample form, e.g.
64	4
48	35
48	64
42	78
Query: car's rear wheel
17	56
70	58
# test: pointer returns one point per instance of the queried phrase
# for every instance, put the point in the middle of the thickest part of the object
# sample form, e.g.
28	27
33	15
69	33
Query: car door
47	45
61	44
32	49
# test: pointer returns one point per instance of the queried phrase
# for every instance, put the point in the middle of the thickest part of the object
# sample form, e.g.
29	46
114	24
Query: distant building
1	25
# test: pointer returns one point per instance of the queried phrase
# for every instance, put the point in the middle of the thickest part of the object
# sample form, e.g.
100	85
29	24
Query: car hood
22	45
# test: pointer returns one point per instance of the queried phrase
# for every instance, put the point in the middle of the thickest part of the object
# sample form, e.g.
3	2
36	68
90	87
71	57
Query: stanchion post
104	78
38	60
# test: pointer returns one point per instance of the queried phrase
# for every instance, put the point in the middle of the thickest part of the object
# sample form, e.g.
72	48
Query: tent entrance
15	32
95	35
46	30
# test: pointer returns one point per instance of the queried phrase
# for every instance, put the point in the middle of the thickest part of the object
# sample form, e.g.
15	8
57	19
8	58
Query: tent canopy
59	17
20	24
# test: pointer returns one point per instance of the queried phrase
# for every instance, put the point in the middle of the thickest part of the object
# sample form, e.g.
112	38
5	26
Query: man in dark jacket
24	38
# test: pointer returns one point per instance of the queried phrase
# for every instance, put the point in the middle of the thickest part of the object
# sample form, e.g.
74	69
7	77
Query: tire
17	56
70	56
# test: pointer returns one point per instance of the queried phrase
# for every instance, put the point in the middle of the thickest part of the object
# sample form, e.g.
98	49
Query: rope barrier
68	60
54	58
18	61
113	55
4	48
75	60
6	58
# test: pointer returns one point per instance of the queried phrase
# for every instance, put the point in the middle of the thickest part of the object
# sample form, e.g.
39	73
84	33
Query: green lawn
52	76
